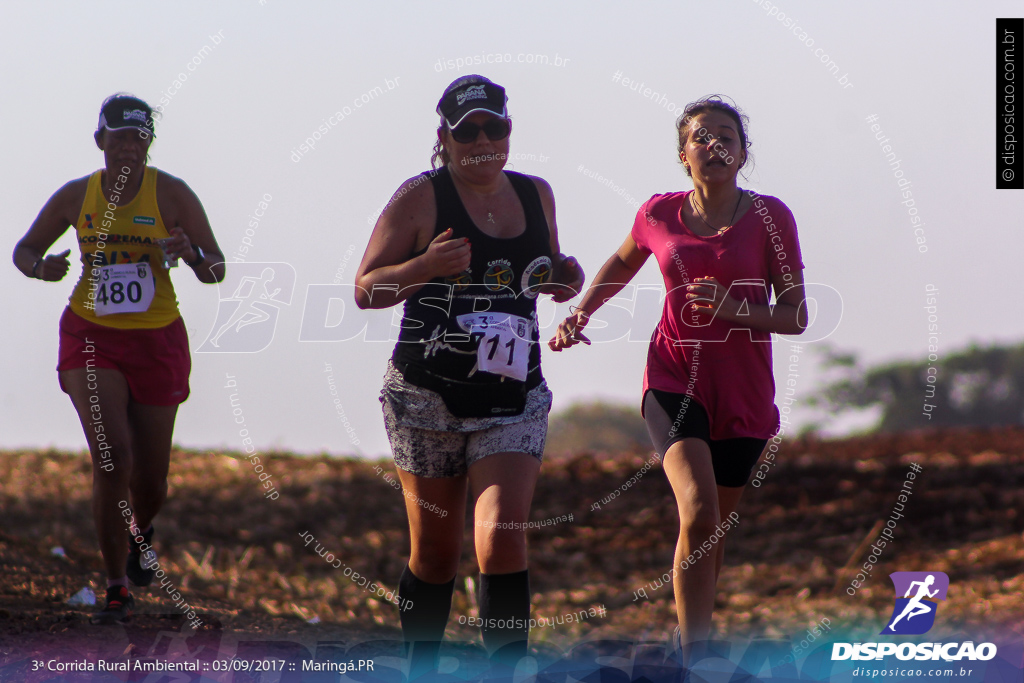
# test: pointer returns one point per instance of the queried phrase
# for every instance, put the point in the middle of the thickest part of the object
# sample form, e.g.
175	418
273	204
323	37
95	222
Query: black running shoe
118	608
140	570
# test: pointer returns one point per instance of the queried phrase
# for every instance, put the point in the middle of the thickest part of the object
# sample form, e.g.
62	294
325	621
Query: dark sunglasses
494	129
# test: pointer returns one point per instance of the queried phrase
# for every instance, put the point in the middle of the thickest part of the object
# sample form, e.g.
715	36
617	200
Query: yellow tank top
123	282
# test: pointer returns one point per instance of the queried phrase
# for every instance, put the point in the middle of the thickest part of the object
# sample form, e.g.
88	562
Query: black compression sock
505	613
424	609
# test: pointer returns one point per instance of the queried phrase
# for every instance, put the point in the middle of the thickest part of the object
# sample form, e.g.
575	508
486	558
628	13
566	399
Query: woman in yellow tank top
124	356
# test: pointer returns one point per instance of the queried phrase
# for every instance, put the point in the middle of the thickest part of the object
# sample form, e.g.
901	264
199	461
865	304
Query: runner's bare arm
790	314
387	274
615	274
186	221
58	214
787	316
567	276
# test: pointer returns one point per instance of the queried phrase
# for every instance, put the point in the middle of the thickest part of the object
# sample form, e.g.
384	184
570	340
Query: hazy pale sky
266	74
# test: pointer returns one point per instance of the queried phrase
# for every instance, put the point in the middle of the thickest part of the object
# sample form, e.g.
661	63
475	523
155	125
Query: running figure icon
251	298
247	313
915	607
917	594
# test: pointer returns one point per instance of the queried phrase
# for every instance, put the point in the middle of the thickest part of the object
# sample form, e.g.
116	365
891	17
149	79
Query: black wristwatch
200	256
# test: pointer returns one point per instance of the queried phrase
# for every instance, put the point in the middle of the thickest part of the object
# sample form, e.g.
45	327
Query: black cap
471	94
124	111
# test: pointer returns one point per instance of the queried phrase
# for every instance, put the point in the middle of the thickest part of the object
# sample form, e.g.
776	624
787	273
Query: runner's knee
504	557
433	566
500	546
149	488
111	453
436	553
696	520
111	475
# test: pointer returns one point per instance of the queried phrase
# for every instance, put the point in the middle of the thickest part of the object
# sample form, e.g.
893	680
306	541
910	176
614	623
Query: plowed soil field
240	560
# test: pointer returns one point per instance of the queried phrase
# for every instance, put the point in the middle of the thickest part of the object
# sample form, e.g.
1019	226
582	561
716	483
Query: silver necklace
698	211
490	215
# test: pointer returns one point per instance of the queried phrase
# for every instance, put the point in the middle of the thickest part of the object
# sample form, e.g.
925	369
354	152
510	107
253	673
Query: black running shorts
674	417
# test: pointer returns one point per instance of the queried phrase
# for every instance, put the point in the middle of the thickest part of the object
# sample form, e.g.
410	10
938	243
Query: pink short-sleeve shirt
727	369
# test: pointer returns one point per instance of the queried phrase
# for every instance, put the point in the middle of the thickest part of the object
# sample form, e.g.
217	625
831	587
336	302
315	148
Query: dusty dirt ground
241	562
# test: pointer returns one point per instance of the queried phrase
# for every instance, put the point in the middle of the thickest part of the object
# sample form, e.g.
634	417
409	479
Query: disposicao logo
950	652
914	614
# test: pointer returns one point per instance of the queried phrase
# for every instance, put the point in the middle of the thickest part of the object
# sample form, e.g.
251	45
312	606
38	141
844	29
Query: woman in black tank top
468	247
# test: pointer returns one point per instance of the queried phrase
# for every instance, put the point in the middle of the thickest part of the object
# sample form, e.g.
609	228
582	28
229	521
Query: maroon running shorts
155	362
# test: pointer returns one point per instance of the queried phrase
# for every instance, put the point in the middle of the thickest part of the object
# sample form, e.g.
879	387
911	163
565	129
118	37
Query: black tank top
503	278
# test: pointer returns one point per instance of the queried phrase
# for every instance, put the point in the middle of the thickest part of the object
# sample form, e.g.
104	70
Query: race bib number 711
124	288
504	347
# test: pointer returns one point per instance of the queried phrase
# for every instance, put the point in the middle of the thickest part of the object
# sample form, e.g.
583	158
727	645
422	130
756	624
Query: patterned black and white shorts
429	441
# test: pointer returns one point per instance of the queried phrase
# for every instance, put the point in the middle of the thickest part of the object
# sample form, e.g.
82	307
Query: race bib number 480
124	288
504	347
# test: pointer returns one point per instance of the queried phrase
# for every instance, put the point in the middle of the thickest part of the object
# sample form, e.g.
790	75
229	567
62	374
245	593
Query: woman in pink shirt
709	391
